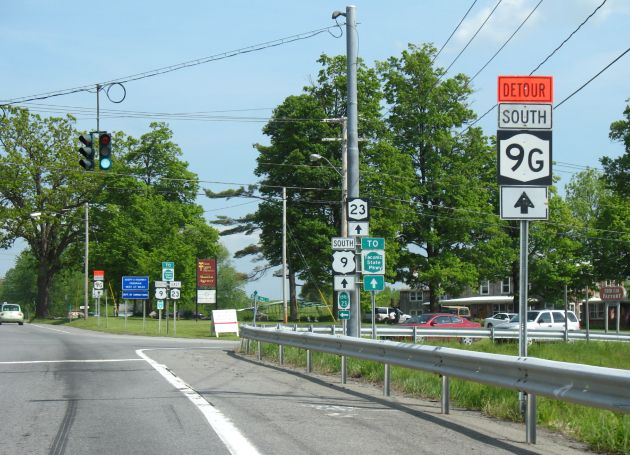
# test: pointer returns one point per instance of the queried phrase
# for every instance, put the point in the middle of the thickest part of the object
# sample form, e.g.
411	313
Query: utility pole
87	255
284	253
354	326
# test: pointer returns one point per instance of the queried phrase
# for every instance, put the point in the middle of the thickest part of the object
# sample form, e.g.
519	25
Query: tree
453	174
43	191
617	171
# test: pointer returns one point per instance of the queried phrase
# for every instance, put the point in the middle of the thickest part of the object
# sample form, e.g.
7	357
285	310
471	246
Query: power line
176	67
454	30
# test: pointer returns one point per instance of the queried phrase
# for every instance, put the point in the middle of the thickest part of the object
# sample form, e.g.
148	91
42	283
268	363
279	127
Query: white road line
18	362
49	328
235	442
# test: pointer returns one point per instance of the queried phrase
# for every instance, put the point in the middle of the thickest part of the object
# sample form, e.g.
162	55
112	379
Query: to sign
343	262
525	89
373	262
358	209
373	243
160	293
168	271
343	301
524	157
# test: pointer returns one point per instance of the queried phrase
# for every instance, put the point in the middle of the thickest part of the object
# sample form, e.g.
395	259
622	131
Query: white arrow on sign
343	282
343	262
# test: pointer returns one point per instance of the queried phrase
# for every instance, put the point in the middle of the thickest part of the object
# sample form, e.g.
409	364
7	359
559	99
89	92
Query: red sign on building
206	274
525	89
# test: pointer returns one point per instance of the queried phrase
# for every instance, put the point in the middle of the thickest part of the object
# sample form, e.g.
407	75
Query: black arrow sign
358	229
524	202
344	283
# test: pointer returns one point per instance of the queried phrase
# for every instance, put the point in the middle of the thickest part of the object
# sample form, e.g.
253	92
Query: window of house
413	296
484	289
506	287
596	310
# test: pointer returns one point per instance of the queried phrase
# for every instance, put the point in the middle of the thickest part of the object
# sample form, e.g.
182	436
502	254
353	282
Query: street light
344	190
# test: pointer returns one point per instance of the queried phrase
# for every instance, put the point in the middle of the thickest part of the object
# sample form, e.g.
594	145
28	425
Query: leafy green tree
453	174
20	282
617	171
42	192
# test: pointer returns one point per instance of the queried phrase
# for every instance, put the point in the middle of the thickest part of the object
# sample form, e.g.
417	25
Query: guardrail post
530	419
386	380
281	354
446	395
344	369
309	355
333	330
415	334
492	334
259	350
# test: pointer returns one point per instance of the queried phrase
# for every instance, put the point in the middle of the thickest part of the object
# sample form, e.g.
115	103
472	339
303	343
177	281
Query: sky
53	46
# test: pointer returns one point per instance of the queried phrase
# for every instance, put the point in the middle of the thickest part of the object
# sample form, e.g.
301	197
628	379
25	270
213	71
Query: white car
497	319
544	320
11	312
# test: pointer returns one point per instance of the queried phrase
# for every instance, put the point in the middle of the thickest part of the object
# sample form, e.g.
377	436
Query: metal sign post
373	301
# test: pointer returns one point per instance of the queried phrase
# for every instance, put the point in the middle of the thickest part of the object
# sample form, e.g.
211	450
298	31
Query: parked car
11	312
497	319
544	320
443	321
383	314
462	311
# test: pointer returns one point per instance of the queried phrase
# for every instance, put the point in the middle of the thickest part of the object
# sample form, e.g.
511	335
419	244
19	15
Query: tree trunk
433	300
293	314
44	282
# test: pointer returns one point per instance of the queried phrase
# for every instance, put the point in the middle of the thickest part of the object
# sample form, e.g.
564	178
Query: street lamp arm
317	156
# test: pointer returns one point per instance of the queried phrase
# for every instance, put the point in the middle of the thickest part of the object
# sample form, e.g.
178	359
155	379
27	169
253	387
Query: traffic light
87	162
105	151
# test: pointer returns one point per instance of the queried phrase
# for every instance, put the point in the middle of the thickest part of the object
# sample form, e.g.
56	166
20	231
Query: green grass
601	430
134	326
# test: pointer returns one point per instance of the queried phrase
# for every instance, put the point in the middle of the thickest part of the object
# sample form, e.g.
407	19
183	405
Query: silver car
545	320
11	312
497	318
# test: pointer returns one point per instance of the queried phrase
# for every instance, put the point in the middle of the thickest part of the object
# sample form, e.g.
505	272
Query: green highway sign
260	298
168	271
343	314
373	262
373	283
343	300
372	243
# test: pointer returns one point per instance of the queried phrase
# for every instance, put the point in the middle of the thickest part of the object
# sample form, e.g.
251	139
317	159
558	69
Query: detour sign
525	89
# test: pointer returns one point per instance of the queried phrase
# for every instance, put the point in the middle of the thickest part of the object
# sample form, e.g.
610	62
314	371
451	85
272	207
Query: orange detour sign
525	89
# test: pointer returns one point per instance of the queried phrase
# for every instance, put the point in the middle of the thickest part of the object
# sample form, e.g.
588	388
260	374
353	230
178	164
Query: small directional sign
160	304
372	243
358	228
97	293
343	314
175	284
343	301
168	271
343	282
524	203
373	283
525	116
358	209
343	262
160	284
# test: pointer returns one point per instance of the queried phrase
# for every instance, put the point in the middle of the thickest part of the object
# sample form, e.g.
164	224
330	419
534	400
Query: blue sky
50	46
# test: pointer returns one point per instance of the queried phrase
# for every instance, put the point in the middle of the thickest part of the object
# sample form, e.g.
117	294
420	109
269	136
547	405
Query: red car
443	321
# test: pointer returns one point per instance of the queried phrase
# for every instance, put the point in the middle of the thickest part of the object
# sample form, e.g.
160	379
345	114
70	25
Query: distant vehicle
443	321
544	320
383	314
497	318
11	312
462	311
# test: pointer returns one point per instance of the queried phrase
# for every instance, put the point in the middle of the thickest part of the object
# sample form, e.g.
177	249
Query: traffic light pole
87	256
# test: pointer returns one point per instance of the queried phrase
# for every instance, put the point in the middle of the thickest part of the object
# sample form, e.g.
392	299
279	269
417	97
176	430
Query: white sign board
98	285
175	284
206	296
524	157
343	262
343	282
343	243
97	293
358	228
175	294
160	293
160	284
524	203
525	116
224	321
358	209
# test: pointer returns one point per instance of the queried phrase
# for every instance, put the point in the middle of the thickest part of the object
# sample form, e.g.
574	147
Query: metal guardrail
418	334
600	387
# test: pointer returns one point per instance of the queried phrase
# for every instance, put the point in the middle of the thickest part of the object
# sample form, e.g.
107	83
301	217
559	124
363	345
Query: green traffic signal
105	151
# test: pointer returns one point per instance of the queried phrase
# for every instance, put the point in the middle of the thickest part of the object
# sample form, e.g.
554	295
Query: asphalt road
69	391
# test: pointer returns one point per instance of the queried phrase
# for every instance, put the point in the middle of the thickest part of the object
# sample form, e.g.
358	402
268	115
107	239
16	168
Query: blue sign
135	283
138	295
